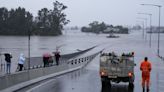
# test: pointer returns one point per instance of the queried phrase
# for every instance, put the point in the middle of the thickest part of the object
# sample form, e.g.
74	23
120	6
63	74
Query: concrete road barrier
12	82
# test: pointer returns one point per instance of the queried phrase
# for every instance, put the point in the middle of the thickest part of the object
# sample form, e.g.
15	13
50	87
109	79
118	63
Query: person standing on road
57	56
8	57
145	67
21	61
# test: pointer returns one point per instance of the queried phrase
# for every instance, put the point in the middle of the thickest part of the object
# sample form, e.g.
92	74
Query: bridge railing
38	73
37	62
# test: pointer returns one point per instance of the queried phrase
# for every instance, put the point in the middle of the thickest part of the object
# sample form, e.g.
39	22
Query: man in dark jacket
57	56
8	62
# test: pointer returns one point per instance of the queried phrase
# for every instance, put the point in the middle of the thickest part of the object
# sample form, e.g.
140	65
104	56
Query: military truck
117	68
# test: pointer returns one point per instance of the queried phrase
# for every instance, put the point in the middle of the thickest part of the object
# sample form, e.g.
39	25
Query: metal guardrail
81	60
70	62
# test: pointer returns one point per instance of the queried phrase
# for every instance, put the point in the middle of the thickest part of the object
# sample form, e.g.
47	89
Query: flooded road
69	42
87	79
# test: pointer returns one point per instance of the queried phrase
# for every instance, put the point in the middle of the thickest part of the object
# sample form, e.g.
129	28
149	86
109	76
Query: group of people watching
47	58
21	60
8	60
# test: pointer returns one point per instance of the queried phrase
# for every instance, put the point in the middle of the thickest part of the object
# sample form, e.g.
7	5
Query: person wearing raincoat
21	61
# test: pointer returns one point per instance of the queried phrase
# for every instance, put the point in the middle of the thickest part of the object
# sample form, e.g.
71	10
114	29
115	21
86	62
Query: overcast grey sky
82	12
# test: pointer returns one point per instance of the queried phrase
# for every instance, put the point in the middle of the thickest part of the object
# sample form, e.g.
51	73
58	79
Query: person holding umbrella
8	57
46	57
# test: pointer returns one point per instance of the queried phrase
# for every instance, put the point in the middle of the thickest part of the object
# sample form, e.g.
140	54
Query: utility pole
159	6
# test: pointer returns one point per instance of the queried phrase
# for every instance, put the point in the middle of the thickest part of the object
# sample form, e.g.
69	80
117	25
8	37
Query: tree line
21	22
96	27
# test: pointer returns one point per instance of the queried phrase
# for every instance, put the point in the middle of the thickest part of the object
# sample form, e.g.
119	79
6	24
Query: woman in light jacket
21	61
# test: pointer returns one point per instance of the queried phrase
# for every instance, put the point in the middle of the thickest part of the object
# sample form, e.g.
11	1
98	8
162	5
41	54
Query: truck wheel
103	83
109	83
106	84
131	85
131	82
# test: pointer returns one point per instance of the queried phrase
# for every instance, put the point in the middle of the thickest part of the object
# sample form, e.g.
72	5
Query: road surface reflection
117	88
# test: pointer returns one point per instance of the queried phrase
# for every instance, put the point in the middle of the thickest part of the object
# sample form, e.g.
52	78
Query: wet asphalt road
88	80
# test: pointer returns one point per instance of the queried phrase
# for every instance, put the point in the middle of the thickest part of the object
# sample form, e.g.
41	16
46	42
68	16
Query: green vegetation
21	22
96	27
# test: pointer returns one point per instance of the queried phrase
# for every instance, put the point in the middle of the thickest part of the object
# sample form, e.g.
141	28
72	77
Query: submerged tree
51	22
97	27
